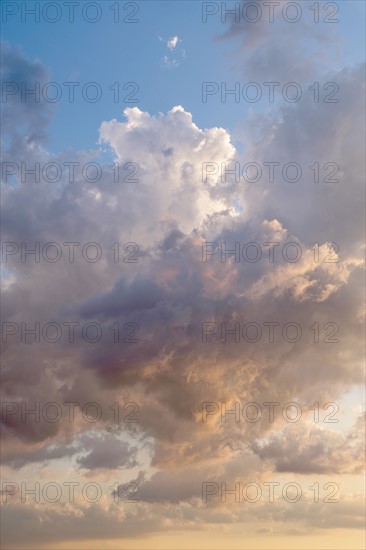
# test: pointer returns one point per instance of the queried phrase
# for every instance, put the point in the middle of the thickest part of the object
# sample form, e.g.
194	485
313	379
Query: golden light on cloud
183	299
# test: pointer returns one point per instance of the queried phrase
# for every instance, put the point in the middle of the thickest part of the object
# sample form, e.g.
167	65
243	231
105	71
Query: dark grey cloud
273	49
169	212
24	117
317	451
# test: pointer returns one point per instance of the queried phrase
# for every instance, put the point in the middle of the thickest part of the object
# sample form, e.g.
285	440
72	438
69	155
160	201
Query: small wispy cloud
172	42
168	60
169	63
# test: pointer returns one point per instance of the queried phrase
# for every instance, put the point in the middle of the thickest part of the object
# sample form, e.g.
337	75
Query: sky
183	275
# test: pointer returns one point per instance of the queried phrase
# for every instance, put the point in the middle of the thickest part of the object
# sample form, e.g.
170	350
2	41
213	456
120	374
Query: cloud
316	451
168	60
172	43
274	48
170	213
106	453
19	77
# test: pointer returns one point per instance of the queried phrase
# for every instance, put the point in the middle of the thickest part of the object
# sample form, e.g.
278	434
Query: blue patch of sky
107	52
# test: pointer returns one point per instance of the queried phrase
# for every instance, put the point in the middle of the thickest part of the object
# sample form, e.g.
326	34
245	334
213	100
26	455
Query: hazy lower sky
182	255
